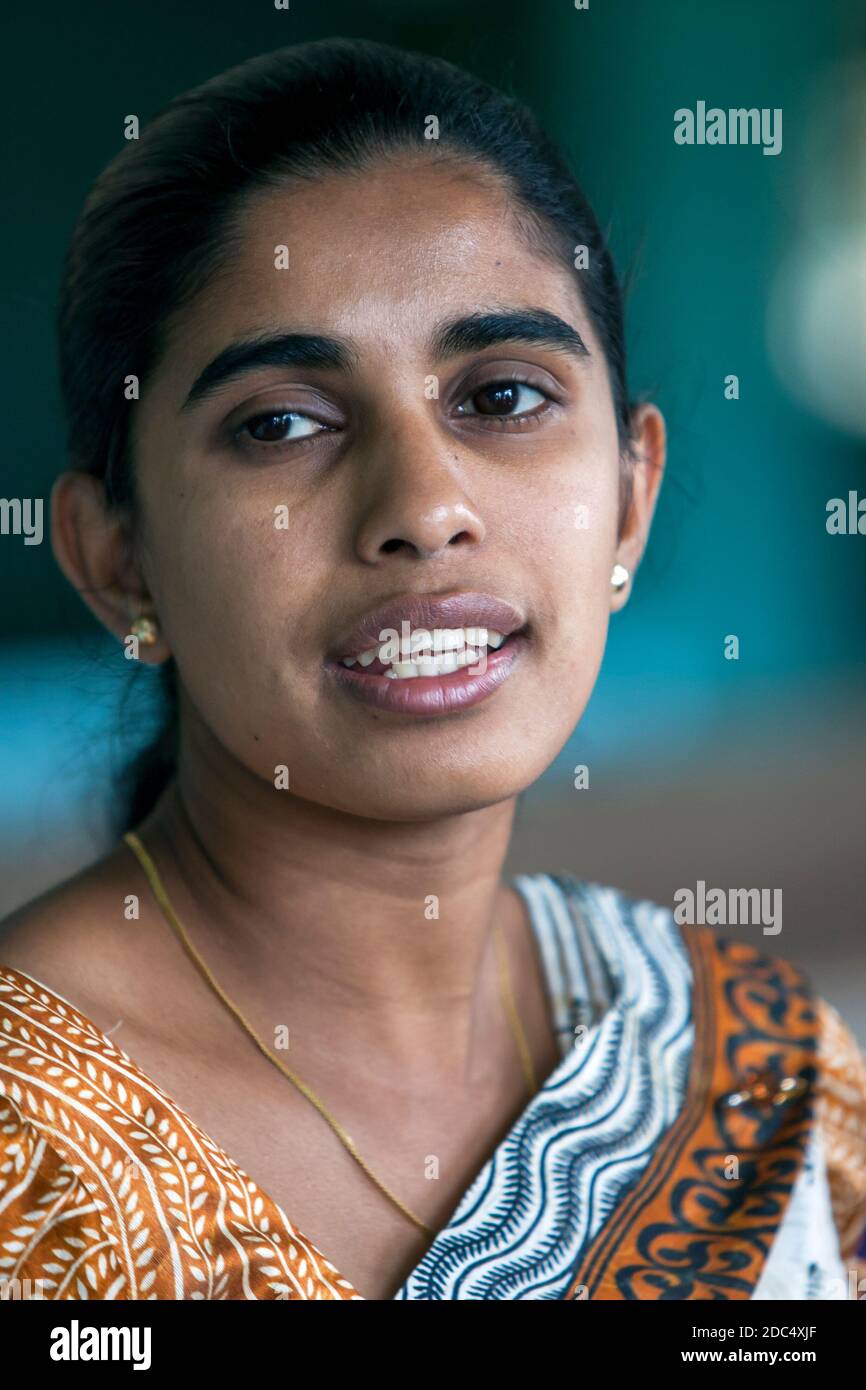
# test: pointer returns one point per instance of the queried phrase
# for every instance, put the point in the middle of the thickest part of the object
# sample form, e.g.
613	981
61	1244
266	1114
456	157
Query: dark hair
162	219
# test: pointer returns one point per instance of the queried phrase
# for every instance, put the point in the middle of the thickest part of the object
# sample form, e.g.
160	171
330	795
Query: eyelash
527	419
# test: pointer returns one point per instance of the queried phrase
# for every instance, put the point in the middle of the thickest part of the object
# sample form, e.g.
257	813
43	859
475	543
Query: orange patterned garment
108	1190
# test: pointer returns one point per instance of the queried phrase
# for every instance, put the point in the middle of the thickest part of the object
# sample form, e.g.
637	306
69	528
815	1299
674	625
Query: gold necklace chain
174	921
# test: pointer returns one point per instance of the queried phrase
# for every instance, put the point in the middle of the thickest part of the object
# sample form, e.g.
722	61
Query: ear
93	547
649	449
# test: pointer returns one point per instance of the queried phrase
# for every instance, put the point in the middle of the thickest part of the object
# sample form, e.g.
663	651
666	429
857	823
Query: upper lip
428	611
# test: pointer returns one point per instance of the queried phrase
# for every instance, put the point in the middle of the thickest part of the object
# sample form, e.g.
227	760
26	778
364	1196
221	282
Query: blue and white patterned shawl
619	984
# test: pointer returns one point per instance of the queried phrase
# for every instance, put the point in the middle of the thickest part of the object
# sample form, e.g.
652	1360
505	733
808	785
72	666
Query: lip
428	611
431	696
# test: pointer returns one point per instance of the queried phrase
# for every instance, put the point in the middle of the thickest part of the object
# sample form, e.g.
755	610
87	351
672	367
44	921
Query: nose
414	502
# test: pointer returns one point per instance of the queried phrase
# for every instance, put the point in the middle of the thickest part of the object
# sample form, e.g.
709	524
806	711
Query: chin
443	793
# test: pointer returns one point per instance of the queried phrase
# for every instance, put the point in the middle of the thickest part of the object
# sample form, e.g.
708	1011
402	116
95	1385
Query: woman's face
393	470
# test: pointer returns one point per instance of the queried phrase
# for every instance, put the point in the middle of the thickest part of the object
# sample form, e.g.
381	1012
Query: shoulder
610	912
57	984
46	1051
70	939
759	988
734	955
840	1060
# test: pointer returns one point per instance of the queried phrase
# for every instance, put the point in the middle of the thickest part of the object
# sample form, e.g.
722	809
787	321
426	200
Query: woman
354	465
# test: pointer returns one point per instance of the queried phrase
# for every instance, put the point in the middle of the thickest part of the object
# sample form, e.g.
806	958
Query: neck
320	915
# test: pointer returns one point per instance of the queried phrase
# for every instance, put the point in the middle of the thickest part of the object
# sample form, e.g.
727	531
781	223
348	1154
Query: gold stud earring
620	577
145	629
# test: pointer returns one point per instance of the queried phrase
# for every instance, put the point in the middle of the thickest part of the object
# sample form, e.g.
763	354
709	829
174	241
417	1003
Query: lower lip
432	696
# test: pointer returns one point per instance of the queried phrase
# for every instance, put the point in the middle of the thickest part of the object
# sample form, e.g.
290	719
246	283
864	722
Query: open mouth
431	671
426	653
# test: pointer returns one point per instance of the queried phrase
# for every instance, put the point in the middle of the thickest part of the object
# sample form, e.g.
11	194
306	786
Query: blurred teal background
747	772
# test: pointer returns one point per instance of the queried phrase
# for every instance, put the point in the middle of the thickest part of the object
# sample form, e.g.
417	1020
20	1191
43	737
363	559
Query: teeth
402	669
438	665
435	665
421	641
451	639
470	657
439	651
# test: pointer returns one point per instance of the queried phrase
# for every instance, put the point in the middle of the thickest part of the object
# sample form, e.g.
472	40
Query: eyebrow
472	332
468	333
269	350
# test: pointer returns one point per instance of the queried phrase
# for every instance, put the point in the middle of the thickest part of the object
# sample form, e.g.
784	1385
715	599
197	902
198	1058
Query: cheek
572	642
571	533
233	588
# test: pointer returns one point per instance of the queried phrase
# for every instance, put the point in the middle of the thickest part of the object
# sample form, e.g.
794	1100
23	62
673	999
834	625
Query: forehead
378	256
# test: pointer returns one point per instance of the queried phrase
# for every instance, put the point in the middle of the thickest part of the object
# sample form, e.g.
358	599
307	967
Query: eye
503	399
280	427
